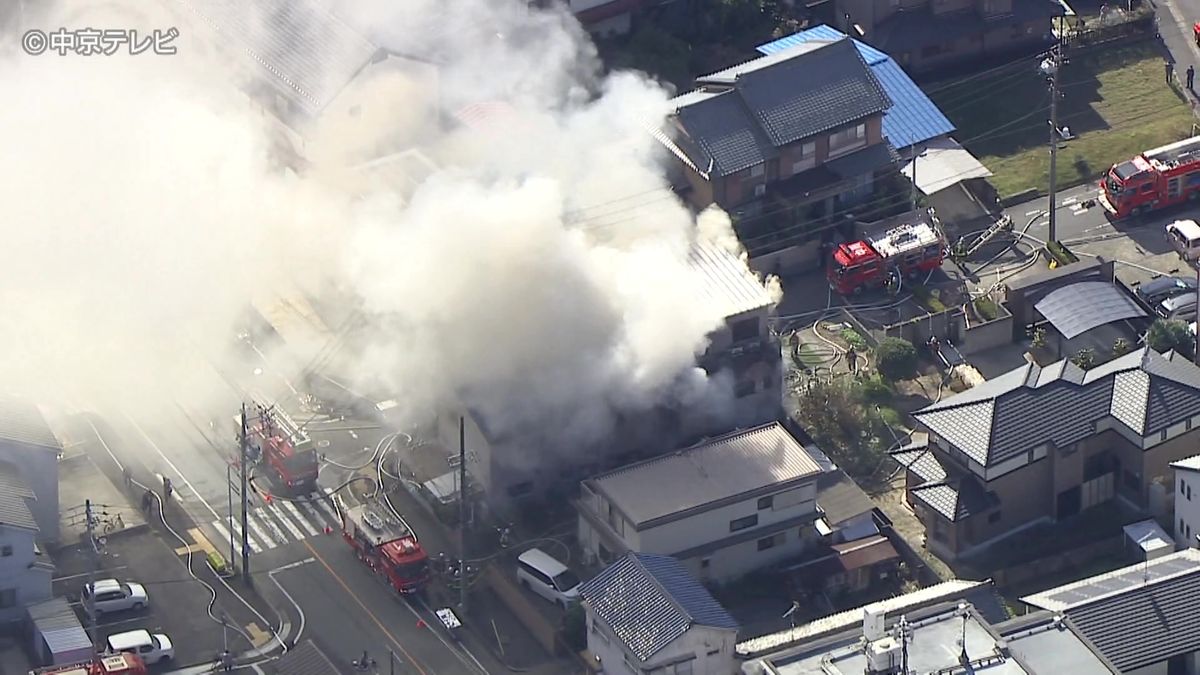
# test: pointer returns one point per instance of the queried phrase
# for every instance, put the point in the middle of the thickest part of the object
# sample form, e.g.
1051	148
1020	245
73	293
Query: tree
896	359
574	627
1168	334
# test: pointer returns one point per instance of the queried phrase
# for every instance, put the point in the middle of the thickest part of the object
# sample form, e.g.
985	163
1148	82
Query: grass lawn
1115	100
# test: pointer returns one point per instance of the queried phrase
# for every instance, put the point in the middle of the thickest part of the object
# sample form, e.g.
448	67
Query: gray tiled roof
1061	404
704	475
1139	615
923	463
955	500
304	50
776	100
22	422
840	498
650	600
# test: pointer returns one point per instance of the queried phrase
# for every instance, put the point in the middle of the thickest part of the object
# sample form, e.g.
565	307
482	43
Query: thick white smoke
540	271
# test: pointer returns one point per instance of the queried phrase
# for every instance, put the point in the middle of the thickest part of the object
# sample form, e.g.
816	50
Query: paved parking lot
177	602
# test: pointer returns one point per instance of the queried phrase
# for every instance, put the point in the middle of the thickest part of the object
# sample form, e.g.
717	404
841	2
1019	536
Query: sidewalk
1175	21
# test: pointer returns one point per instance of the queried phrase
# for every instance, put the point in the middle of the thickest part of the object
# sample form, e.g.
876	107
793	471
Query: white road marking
237	532
299	517
352	434
323	506
261	533
281	516
1069	201
1033	212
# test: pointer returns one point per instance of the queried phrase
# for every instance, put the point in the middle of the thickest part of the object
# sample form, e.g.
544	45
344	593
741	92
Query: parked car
541	573
1162	288
1181	307
1184	237
111	595
153	648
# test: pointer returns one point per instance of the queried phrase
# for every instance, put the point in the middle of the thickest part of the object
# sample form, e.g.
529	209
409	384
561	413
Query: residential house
925	35
1141	618
946	173
31	452
504	458
646	615
954	627
1186	489
1043	444
24	572
725	507
788	139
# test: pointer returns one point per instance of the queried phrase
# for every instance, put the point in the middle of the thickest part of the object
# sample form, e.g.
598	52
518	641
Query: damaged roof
1002	418
650	600
726	283
741	116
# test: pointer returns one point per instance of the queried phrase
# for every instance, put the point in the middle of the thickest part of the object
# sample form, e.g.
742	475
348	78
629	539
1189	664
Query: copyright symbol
34	42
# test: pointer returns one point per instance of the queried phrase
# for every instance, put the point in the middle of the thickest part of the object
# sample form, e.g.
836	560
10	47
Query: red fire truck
386	544
911	244
283	449
1155	179
110	664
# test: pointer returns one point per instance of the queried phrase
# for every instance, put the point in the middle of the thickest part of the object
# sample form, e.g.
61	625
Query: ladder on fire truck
1003	224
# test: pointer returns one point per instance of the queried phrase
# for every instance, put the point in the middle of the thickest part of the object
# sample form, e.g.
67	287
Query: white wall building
647	615
30	447
24	573
1187	502
725	507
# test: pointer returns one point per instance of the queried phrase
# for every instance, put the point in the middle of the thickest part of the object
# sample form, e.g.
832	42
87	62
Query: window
744	330
6	550
705	562
1181	490
743	523
1148	187
848	139
756	171
1189	493
771	542
1163	436
1187	424
1181	526
765	502
1029	457
994	517
8	597
806	159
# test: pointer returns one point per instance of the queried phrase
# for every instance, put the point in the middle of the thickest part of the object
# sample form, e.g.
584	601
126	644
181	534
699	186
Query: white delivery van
1184	237
541	573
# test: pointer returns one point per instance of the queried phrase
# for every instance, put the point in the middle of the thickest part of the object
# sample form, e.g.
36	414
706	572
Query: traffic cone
421	623
267	498
328	530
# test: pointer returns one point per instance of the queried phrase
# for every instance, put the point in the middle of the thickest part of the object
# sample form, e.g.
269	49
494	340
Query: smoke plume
537	268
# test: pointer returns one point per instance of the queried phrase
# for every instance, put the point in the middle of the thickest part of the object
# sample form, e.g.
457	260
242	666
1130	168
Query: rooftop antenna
791	613
963	657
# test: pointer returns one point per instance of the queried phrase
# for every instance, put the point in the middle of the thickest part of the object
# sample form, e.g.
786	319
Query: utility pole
1054	66
229	489
90	608
462	514
242	438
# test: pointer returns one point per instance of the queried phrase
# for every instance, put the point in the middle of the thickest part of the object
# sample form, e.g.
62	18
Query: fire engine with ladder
1156	179
109	664
909	245
282	448
386	544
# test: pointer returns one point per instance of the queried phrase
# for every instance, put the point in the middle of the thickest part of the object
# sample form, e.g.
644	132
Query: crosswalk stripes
281	521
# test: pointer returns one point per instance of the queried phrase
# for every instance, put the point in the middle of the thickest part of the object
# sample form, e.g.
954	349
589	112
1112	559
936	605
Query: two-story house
724	507
924	35
512	460
646	615
793	137
1044	444
24	573
1186	487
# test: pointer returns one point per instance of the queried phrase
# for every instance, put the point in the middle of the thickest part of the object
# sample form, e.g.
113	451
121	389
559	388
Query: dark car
1163	288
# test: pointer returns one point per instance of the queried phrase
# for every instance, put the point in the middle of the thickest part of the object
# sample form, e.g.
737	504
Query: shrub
873	390
1168	334
986	308
896	359
1038	337
1061	254
856	341
1121	346
1084	358
930	300
574	627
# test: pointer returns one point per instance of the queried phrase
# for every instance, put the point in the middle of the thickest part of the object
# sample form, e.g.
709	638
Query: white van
1181	307
110	595
152	648
1184	237
541	573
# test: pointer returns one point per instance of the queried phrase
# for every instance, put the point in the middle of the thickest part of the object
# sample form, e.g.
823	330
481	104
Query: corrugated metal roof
1062	403
725	281
1082	306
1139	615
913	118
718	469
56	622
309	54
650	600
22	422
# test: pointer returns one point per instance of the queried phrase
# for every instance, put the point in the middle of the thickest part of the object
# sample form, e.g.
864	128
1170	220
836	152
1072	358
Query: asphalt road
347	610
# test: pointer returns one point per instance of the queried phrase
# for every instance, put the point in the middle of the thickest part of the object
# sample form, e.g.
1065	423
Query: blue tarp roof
913	118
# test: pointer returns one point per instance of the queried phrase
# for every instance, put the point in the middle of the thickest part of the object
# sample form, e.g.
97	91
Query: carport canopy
1074	310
